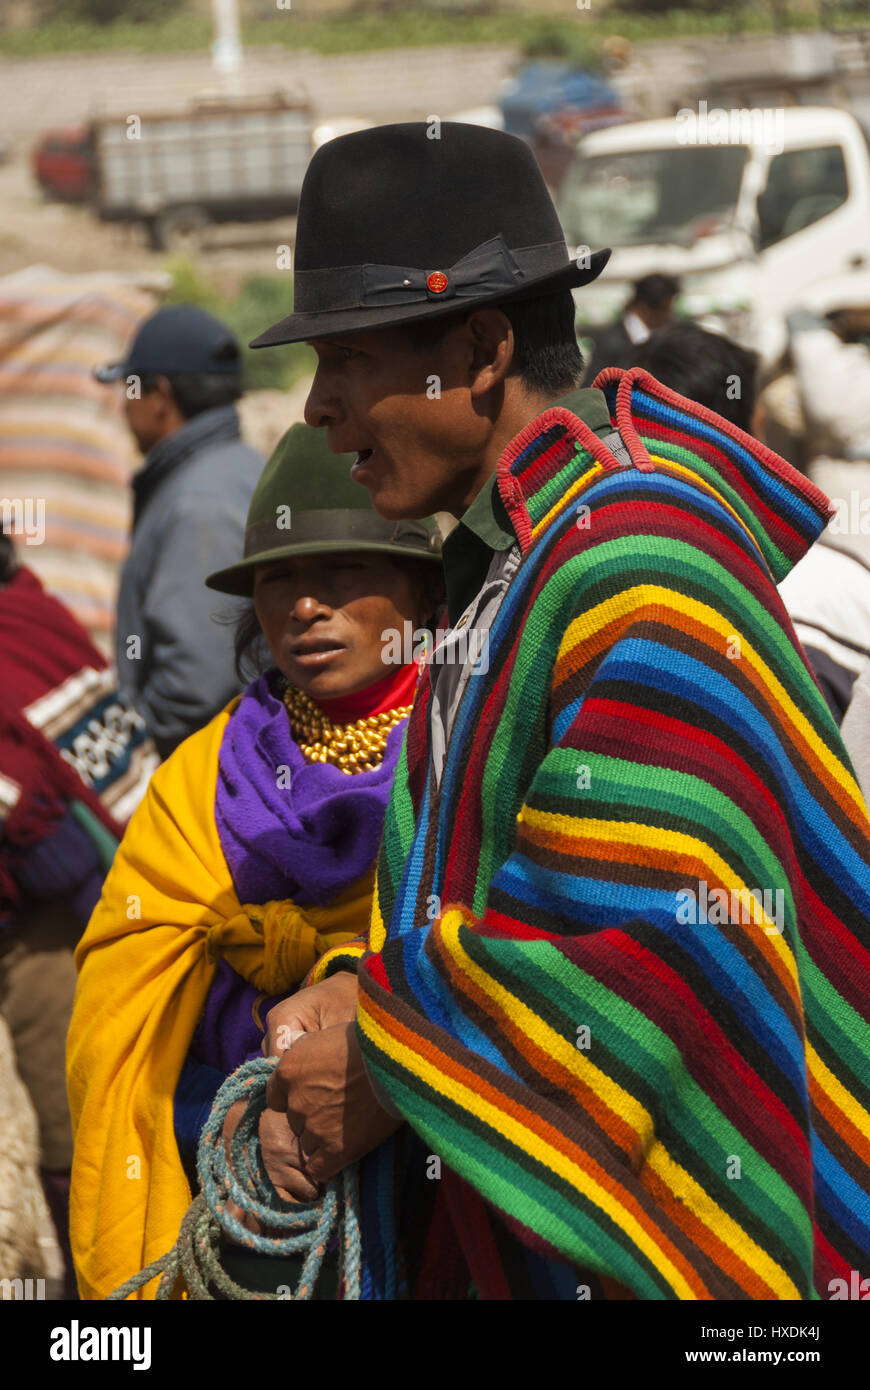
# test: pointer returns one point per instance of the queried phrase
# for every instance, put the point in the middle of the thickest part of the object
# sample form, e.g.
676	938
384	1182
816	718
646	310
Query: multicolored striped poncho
617	976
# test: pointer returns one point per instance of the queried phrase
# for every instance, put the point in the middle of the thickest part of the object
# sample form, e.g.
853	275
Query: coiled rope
241	1177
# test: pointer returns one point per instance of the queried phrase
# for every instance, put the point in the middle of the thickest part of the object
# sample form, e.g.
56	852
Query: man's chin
393	508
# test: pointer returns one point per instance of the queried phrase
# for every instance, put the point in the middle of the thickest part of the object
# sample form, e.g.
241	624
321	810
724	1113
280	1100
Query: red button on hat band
437	282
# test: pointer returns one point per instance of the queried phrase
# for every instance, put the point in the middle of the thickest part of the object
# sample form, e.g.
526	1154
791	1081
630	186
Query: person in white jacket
855	730
831	359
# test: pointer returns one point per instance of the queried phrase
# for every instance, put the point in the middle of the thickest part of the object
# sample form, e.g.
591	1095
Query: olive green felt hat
306	503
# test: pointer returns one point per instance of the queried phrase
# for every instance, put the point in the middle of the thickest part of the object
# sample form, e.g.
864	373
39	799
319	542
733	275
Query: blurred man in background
182	376
651	307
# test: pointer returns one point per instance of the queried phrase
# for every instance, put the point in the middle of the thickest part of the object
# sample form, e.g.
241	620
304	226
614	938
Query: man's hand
321	1088
283	1161
326	1005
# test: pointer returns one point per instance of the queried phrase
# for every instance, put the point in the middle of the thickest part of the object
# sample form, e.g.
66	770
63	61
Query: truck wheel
179	229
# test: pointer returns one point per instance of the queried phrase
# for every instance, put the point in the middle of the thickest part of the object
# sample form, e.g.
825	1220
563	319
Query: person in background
75	759
855	730
830	354
182	376
827	594
651	307
251	855
704	366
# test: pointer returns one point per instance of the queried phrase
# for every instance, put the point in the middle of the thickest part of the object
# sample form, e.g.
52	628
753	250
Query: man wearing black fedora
501	1054
374	209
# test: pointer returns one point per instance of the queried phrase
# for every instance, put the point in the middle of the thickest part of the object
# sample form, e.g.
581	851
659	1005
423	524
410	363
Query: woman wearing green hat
252	853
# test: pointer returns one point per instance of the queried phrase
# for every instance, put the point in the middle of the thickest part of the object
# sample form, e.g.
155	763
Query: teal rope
242	1178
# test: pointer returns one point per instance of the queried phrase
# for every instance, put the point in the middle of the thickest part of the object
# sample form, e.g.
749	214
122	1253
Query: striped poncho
617	972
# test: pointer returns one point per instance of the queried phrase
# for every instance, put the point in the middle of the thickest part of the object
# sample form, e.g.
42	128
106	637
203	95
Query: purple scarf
308	839
305	840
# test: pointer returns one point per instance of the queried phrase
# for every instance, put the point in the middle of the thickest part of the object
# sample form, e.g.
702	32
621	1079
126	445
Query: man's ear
492	338
165	402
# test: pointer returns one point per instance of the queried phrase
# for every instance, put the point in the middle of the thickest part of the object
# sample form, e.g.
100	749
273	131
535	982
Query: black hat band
490	269
343	525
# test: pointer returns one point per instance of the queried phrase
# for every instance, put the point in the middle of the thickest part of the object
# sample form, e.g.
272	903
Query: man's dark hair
195	392
655	291
547	356
252	655
706	367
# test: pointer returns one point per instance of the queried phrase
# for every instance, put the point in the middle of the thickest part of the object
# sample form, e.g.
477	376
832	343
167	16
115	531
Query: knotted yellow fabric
275	946
146	963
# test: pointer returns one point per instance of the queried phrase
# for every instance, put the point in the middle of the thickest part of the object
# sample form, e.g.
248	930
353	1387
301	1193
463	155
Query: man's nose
321	406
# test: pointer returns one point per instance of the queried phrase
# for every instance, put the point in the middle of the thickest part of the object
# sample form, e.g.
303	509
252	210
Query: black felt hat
407	222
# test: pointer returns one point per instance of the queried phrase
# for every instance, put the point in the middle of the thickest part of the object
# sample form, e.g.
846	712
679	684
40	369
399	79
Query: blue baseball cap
178	338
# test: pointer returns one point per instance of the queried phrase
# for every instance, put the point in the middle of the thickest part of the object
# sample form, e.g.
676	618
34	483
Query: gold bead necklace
355	747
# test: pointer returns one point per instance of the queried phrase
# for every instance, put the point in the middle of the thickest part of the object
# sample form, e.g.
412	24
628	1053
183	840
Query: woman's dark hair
252	655
547	356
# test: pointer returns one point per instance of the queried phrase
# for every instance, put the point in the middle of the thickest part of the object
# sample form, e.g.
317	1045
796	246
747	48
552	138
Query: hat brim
329	323
110	371
238	579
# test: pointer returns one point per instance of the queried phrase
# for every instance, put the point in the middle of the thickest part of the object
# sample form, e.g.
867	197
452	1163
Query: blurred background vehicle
221	161
541	88
747	228
65	161
63	164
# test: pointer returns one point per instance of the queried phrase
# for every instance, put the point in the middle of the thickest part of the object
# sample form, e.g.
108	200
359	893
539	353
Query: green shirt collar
487	518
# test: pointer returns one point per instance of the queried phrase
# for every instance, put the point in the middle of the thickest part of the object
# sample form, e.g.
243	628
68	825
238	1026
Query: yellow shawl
146	963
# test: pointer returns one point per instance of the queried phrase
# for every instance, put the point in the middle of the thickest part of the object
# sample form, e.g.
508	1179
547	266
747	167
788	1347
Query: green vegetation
107	11
179	34
578	35
259	302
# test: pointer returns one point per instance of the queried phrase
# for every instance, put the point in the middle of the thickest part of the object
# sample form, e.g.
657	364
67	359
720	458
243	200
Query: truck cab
749	223
63	164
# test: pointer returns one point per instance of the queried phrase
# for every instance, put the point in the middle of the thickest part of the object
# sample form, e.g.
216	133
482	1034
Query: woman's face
328	618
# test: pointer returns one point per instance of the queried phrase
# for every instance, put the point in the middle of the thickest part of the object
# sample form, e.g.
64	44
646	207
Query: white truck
757	212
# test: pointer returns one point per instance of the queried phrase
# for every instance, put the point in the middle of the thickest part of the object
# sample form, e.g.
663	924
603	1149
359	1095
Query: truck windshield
674	195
